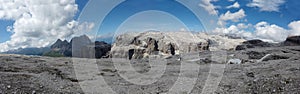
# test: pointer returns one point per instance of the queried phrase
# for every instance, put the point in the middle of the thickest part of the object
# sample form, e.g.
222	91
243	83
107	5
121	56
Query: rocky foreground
244	72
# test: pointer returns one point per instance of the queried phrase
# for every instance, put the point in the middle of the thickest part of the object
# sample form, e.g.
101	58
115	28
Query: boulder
234	61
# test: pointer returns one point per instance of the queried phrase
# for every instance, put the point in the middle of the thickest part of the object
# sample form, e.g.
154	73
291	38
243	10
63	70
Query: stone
250	74
255	54
8	86
272	57
265	58
234	61
205	60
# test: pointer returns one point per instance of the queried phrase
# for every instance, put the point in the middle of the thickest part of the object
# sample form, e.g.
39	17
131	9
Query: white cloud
9	28
38	23
244	26
228	16
209	7
182	29
270	32
295	28
231	0
236	30
266	5
262	30
235	5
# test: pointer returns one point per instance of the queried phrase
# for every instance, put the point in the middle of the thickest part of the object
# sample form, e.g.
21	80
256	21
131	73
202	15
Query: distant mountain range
64	48
29	51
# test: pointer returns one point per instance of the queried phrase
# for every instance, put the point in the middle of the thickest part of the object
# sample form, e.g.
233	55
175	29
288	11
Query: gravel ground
195	73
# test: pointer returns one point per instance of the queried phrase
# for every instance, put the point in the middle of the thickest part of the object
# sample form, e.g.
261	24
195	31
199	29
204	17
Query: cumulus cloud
209	7
38	23
262	30
228	16
270	32
295	28
235	5
266	5
236	30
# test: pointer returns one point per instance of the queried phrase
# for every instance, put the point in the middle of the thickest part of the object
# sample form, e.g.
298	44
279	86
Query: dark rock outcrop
102	49
292	41
152	45
254	44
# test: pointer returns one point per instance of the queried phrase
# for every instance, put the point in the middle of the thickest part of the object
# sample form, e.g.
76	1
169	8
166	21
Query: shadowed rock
254	44
62	47
292	41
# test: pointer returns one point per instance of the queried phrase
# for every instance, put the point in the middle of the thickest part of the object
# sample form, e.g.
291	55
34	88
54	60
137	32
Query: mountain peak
58	40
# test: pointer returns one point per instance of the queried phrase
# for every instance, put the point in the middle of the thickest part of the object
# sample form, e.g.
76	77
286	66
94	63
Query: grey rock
234	61
142	45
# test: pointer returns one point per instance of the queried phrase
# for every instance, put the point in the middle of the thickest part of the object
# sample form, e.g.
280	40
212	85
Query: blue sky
262	19
287	12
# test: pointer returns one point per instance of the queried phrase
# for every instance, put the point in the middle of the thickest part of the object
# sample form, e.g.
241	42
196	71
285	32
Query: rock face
141	45
254	44
62	47
96	50
221	42
292	41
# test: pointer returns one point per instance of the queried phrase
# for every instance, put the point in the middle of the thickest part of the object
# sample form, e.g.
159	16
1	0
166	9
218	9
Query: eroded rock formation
141	45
